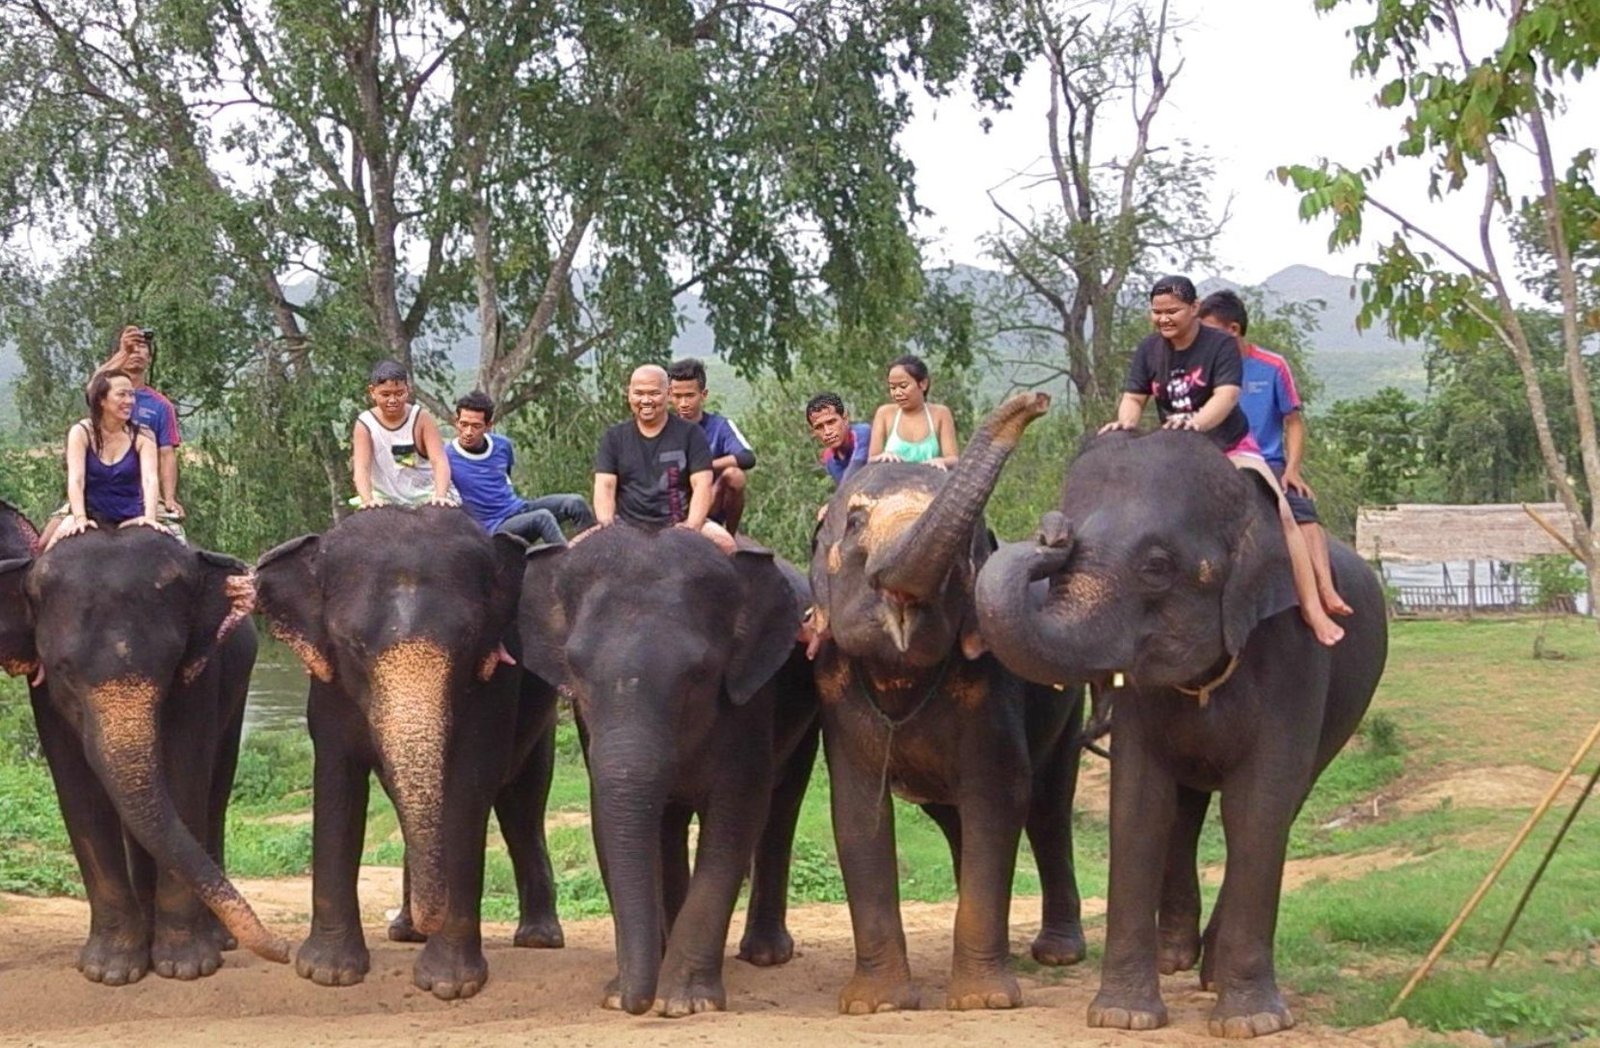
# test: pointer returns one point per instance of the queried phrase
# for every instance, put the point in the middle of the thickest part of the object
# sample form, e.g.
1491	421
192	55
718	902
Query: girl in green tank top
909	429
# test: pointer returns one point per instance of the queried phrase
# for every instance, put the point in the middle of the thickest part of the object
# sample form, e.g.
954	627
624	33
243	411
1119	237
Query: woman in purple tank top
112	478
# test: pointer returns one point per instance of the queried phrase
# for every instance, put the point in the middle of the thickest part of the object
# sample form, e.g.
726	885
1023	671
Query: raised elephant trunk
628	782
410	718
917	561
122	747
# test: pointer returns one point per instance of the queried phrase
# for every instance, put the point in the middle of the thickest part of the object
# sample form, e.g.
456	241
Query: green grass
1456	696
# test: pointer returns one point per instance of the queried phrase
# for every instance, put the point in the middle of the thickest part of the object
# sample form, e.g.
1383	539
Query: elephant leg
948	818
117	951
1179	919
674	864
766	940
520	809
403	928
1256	817
335	952
993	810
863	833
184	942
691	972
452	965
1060	939
1143	808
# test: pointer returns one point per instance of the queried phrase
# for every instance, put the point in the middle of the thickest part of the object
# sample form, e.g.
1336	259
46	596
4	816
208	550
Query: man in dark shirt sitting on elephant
655	469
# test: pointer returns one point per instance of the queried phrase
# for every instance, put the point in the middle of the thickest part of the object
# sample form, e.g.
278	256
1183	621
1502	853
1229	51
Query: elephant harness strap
1202	694
891	723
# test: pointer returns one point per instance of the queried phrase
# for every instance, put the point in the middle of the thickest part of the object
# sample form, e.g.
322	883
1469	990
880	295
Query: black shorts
1303	509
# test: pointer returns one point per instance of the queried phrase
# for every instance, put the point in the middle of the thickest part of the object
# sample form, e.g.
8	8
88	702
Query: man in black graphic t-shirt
654	469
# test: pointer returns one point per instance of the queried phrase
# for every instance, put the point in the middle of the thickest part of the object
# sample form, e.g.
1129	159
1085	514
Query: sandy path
546	994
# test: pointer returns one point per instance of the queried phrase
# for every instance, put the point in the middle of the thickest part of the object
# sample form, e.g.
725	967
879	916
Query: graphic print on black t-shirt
1184	384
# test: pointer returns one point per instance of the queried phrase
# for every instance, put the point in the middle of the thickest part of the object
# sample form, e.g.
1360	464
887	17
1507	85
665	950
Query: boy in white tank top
398	456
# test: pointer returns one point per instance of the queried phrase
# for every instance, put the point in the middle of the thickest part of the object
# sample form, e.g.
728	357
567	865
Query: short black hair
825	400
1227	307
688	369
913	365
388	371
1179	287
477	400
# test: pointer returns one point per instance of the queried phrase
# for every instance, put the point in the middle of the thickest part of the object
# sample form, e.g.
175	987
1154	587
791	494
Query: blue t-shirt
1267	396
850	455
725	439
483	480
154	411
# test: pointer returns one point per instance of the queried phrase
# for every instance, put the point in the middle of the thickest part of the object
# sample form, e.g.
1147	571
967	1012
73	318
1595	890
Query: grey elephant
1166	565
680	663
401	616
139	651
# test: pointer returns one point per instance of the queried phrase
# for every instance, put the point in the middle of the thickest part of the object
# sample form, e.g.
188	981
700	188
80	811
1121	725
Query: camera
149	336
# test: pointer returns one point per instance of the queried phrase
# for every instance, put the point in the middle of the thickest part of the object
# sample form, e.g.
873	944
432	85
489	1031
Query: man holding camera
135	351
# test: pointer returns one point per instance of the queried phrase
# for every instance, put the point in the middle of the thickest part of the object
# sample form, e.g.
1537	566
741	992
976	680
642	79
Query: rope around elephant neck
891	723
1202	694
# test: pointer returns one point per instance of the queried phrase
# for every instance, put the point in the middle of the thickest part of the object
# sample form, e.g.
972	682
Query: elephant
680	661
139	651
399	615
912	703
1166	566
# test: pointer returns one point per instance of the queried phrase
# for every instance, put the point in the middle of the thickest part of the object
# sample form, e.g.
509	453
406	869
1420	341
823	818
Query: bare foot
1335	604
1328	632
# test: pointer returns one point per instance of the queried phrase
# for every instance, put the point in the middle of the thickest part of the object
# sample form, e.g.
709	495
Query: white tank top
400	471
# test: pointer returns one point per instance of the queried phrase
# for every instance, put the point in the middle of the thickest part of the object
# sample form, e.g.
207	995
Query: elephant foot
689	994
865	994
402	930
333	960
1250	1012
178	953
993	990
631	1001
540	933
767	947
1179	950
1058	948
450	973
1137	1011
114	959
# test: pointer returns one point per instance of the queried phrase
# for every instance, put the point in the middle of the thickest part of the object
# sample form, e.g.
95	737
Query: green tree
429	161
1116	214
1468	110
1379	440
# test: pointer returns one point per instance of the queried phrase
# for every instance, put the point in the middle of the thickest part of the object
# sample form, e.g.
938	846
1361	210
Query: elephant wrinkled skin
146	648
1167	564
399	615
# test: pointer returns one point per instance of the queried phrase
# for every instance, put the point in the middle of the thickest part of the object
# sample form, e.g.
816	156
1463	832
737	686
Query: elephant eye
1158	568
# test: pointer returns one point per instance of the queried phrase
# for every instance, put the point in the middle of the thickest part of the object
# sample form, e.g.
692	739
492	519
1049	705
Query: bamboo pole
1550	529
1549	853
1500	865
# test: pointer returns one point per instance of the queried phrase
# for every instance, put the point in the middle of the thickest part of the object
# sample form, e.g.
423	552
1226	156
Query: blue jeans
540	518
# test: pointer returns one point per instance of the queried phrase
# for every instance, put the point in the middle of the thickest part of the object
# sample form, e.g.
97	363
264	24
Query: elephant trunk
410	716
1028	628
629	785
917	562
124	750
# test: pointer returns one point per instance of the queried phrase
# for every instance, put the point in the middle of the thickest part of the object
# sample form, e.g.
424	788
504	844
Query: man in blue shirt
1271	402
731	454
480	468
844	443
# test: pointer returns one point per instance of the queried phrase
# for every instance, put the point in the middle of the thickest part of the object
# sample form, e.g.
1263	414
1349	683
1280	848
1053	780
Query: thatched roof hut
1431	534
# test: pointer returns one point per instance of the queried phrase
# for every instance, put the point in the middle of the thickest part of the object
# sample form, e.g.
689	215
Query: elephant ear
17	653
18	536
984	543
825	550
541	620
223	597
289	595
769	620
510	563
1260	581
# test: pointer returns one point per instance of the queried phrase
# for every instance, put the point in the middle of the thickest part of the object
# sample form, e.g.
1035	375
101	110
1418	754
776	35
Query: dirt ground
555	994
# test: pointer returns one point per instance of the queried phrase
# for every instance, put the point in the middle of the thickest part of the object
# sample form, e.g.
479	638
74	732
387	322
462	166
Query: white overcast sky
1265	82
